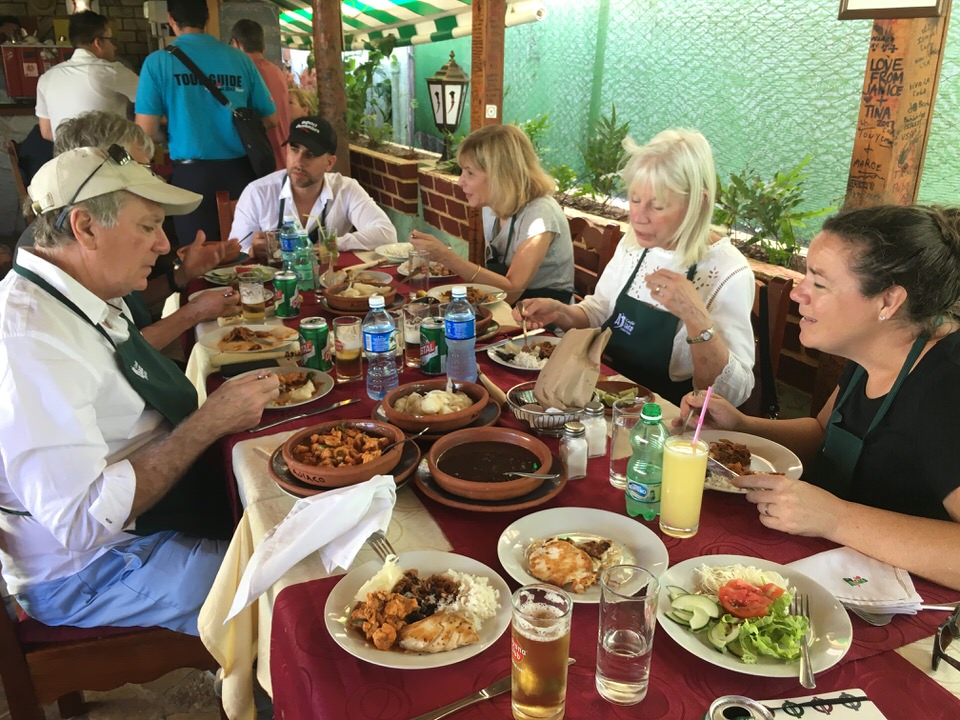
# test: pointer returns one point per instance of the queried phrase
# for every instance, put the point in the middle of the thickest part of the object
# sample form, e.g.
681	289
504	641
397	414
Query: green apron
841	449
194	502
641	342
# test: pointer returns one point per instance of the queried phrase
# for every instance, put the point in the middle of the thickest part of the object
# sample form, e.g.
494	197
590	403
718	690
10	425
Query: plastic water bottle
646	464
289	243
460	330
304	261
380	348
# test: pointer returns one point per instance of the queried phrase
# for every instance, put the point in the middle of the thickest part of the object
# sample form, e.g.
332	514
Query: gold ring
262	376
228	293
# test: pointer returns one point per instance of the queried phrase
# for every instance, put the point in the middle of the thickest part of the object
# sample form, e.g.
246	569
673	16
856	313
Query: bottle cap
574	428
376	301
593	408
458	291
650	411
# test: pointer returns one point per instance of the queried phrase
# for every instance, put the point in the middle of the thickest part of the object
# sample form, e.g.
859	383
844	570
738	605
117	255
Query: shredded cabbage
711	579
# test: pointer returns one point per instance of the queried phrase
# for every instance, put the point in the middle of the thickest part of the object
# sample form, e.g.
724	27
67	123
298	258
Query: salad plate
427	562
832	632
638	544
765	456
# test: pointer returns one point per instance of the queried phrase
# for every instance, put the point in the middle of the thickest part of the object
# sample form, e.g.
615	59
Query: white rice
477	601
529	360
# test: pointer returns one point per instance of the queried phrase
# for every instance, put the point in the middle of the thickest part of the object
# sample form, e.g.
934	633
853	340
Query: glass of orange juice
681	492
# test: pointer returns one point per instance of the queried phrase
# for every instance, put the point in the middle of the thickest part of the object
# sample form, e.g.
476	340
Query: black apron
641	342
841	449
497	263
194	503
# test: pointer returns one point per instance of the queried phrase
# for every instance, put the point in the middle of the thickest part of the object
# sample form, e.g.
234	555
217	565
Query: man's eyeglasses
946	633
117	154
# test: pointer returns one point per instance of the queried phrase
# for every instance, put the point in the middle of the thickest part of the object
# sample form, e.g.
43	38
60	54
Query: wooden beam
486	89
331	91
896	107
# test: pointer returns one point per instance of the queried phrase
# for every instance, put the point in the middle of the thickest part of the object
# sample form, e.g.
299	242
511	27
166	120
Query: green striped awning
412	22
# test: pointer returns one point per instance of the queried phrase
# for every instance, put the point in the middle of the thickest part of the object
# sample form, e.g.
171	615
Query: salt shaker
573	450
596	429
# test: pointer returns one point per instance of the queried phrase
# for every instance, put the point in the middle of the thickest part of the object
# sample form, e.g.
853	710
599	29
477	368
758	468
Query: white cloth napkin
337	523
862	582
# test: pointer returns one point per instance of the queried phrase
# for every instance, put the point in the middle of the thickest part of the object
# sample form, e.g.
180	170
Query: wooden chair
771	300
593	246
40	664
225	210
24	199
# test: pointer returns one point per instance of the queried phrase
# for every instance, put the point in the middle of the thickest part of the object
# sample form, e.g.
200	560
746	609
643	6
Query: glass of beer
253	301
413	315
539	647
348	341
681	491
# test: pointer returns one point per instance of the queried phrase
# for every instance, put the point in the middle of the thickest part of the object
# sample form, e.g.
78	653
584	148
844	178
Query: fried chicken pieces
560	562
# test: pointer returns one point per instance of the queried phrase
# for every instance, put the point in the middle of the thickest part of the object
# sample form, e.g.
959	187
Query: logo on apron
138	369
624	324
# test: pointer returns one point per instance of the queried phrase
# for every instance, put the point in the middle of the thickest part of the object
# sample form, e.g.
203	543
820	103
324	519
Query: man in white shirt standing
90	80
312	194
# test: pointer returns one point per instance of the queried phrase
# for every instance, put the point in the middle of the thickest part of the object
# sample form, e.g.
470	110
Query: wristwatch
702	337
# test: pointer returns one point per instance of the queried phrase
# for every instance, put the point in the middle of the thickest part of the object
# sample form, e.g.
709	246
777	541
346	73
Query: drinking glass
681	489
626	414
253	301
418	271
414	314
397	316
348	340
274	256
539	647
628	617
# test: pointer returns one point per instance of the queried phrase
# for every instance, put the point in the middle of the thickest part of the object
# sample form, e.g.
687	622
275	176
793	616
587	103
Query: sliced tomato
740	598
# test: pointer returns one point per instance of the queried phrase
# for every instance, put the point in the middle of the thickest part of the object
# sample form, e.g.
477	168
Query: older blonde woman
677	303
528	247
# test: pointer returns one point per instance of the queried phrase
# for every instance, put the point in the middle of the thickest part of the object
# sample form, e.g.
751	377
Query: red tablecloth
313	678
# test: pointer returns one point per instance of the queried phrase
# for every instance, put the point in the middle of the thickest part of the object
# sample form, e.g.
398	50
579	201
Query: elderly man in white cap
105	515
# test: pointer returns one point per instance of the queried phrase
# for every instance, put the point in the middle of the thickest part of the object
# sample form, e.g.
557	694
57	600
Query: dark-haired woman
882	290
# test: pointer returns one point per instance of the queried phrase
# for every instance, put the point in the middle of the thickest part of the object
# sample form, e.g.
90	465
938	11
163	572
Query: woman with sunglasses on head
678	303
527	237
882	289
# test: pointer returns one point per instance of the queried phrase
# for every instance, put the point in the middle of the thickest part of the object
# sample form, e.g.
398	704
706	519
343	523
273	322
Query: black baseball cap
314	133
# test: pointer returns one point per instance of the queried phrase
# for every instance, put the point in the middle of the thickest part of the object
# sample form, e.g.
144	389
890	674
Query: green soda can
433	347
314	352
286	295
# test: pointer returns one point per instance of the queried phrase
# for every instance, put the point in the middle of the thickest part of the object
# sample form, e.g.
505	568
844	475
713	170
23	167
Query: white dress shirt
724	282
359	222
83	83
68	418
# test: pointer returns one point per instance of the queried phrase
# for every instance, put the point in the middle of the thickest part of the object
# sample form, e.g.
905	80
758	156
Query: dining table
284	636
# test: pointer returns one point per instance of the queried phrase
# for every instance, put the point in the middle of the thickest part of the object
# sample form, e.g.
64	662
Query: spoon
545	476
523	327
405	440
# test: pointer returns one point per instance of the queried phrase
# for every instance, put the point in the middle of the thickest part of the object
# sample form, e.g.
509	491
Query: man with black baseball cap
311	193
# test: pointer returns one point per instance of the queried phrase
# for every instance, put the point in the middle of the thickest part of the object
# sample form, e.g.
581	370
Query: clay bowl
351	474
356	304
492	487
436	423
483	320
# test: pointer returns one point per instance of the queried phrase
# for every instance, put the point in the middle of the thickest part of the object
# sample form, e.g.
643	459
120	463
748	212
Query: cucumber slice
734	647
722	633
675	591
699	619
697	602
679	617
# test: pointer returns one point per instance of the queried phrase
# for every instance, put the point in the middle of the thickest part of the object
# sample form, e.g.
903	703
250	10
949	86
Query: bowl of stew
342	452
472	463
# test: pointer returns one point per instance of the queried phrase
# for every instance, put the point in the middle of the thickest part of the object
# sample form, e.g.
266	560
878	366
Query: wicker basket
549	423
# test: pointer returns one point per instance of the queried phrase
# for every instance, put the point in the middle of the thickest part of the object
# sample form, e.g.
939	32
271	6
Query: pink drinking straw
703	414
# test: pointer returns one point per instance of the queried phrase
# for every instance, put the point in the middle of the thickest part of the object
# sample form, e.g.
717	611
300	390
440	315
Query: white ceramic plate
495	293
831	624
427	562
436	270
322	383
211	340
492	352
397	252
225	276
365	276
641	546
765	456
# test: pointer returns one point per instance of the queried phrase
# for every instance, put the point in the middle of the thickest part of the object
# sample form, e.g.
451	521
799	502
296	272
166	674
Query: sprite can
433	347
314	352
286	295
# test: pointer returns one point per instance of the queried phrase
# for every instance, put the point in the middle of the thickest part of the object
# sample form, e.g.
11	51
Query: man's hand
200	256
211	304
238	403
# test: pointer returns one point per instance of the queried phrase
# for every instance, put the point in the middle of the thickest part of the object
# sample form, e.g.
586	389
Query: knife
530	333
348	401
498	687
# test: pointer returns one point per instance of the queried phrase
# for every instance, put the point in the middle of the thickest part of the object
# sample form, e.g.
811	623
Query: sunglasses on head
946	633
118	155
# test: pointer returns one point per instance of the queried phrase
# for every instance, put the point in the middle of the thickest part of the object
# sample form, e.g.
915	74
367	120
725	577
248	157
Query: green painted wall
767	81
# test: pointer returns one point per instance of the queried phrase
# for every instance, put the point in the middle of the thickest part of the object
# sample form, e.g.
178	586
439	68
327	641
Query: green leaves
602	155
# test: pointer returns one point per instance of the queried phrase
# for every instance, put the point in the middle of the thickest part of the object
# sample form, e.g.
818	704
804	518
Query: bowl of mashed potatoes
428	403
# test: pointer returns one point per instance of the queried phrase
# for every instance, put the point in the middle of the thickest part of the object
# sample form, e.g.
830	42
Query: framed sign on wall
859	9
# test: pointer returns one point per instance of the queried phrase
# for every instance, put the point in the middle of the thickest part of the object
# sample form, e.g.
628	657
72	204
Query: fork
800	606
381	546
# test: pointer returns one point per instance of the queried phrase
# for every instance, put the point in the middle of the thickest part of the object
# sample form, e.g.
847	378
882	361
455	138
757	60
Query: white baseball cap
84	173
